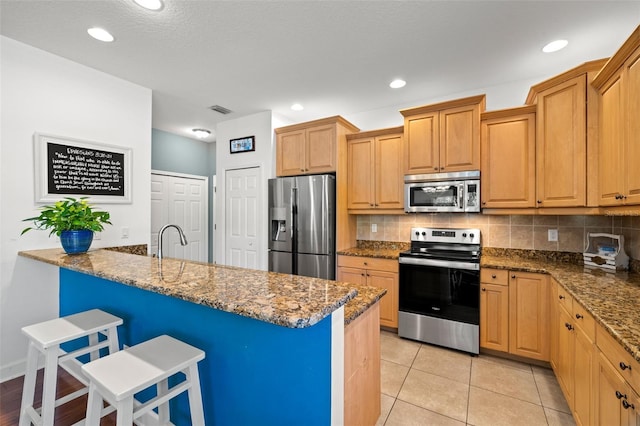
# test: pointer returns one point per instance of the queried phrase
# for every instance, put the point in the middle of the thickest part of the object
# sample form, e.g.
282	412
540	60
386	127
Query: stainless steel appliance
302	223
442	192
439	290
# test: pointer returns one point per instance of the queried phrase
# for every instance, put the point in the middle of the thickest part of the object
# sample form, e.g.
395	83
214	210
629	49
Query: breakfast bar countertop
612	298
287	300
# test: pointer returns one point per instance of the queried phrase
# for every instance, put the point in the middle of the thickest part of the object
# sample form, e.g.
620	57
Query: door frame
205	179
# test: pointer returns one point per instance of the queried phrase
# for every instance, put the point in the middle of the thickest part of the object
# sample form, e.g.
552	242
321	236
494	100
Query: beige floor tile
444	362
558	418
404	414
395	349
505	380
435	393
493	409
550	393
386	402
502	362
392	376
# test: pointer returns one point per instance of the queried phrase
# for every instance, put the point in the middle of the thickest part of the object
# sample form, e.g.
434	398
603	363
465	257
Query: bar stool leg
94	406
125	412
163	409
49	386
93	340
195	396
29	385
112	335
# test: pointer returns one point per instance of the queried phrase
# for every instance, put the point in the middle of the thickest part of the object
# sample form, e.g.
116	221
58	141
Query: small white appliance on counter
606	251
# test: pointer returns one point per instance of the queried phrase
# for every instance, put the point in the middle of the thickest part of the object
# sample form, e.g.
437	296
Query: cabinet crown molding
617	60
508	112
378	132
479	99
336	119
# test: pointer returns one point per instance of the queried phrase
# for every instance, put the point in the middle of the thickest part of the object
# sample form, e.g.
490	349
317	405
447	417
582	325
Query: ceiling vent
220	109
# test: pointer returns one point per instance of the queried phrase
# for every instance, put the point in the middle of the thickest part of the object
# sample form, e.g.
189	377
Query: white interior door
241	215
180	200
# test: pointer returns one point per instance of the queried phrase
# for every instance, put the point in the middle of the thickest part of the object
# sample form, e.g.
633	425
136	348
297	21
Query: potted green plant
73	220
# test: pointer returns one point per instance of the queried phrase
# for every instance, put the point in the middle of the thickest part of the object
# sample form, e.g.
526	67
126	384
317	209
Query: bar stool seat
117	377
45	338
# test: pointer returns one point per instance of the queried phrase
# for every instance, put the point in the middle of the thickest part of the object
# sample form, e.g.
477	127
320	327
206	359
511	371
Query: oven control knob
417	233
424	233
471	235
464	235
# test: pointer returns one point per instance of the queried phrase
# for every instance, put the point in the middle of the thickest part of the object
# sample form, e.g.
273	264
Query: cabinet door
561	145
609	384
494	317
422	139
632	137
508	162
352	275
610	144
320	154
388	172
584	365
460	139
290	153
360	174
566	347
389	302
529	315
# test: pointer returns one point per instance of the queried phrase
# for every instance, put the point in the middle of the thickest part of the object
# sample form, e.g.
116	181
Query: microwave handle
461	190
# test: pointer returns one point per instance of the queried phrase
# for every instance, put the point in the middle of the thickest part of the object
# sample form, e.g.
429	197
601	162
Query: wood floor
67	414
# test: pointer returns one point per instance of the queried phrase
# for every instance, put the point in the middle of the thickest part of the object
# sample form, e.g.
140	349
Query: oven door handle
440	263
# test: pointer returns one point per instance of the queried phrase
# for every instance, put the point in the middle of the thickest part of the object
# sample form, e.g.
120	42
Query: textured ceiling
334	57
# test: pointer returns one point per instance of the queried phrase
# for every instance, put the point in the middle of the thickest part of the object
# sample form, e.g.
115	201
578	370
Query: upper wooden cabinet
566	138
508	146
619	146
310	148
375	178
443	137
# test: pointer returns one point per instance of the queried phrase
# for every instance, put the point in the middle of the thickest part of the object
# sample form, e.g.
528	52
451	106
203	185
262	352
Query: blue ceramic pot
74	242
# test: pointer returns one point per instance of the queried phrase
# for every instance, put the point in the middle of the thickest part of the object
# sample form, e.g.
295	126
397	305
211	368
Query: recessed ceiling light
396	84
297	107
201	133
150	4
554	46
100	34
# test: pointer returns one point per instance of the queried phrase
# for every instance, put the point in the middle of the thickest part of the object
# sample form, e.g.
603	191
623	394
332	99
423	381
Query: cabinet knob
362	274
620	395
302	170
569	326
624	366
539	201
513	276
578	316
370	204
626	405
365	263
493	276
484	289
484	203
561	297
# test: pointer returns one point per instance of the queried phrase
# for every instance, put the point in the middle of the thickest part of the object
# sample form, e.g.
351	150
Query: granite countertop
287	300
612	298
379	249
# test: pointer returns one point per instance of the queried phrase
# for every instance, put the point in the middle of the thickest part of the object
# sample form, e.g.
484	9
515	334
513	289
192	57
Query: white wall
260	126
41	92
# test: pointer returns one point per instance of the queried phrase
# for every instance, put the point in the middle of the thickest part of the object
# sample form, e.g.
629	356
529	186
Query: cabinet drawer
374	263
584	320
494	276
565	299
623	362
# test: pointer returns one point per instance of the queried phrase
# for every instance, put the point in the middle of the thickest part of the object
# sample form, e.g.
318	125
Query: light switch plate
374	227
553	235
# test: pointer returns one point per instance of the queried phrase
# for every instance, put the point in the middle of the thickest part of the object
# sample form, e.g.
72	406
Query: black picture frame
245	144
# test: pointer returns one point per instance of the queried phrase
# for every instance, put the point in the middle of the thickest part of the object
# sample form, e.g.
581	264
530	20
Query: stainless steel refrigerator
302	225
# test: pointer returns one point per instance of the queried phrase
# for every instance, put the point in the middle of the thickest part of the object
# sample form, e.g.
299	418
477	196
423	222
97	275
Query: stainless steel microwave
442	192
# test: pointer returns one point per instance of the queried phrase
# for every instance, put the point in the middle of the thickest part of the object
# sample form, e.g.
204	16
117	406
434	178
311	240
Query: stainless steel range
439	296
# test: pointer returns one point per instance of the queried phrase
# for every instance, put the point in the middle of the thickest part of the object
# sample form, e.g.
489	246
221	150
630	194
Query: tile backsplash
518	232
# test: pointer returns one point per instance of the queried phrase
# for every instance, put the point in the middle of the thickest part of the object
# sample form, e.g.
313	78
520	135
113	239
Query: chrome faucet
183	238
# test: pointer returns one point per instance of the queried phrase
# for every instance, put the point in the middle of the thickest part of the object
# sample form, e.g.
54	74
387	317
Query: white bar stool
117	377
45	338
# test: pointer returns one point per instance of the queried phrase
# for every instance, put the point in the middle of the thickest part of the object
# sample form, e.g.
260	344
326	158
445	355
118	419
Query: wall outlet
374	227
125	232
553	235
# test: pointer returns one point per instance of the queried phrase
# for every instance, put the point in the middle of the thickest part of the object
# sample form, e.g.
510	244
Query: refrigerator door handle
294	227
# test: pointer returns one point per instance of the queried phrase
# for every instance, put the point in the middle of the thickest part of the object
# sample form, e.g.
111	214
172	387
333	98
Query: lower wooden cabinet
614	397
514	313
374	272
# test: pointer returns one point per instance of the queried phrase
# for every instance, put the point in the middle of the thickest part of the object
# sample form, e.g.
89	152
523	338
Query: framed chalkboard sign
72	167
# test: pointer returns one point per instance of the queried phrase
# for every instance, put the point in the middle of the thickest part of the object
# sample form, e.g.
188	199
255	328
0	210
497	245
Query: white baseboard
13	370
